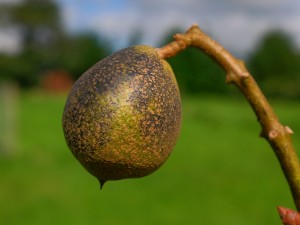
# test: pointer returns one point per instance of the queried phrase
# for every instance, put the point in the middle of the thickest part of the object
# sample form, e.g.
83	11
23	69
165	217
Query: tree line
45	44
274	62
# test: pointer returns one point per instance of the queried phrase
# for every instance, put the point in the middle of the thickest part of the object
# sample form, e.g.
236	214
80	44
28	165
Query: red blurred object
57	81
288	216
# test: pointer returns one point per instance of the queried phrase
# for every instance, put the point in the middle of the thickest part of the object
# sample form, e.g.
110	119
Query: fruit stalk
278	135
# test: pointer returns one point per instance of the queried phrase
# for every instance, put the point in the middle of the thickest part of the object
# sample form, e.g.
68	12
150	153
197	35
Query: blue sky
237	24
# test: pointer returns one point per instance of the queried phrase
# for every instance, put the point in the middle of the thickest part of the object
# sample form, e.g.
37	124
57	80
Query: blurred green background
219	173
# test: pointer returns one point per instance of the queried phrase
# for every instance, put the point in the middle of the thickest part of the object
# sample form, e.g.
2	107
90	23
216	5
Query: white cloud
70	15
236	24
237	31
168	4
117	26
291	25
10	41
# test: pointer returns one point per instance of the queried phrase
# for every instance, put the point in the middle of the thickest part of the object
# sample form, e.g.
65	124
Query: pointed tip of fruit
102	182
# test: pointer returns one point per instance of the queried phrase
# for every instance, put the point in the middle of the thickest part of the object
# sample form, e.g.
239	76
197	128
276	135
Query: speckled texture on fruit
122	117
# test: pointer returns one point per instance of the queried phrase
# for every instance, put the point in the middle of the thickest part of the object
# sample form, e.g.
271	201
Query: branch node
244	73
272	134
194	25
288	130
183	39
229	78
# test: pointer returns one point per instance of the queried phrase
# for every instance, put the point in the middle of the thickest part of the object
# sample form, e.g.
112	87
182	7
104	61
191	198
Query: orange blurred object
57	81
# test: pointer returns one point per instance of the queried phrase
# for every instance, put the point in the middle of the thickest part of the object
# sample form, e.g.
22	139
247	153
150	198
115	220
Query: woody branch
278	135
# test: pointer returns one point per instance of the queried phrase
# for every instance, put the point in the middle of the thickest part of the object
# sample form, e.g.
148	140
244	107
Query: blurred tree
78	53
45	44
195	71
275	64
38	23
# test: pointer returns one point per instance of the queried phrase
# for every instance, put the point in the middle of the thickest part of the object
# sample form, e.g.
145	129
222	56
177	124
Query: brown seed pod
122	117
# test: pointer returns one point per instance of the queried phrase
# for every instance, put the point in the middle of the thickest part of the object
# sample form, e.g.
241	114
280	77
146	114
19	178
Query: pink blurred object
288	216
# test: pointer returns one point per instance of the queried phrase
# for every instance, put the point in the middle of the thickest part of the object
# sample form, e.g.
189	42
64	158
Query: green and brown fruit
122	117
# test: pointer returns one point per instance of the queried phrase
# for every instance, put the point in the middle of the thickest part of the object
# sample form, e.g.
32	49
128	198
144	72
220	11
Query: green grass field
220	172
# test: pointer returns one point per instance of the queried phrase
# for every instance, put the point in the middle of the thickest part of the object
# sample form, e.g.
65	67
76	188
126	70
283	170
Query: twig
278	135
